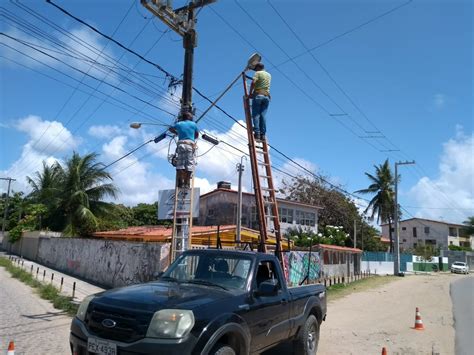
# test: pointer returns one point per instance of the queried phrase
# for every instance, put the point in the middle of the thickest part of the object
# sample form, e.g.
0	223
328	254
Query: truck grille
130	325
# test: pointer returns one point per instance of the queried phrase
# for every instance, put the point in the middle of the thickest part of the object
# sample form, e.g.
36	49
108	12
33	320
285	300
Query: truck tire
308	338
222	349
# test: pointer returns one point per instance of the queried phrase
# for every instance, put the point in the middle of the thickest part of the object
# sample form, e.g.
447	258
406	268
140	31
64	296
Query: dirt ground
365	322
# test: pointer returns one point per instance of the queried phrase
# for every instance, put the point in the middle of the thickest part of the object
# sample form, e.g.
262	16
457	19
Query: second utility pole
396	250
5	212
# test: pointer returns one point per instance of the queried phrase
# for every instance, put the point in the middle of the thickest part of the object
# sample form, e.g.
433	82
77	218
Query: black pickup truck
216	302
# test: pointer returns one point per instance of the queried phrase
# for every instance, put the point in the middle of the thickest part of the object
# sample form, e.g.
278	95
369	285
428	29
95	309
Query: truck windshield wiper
205	282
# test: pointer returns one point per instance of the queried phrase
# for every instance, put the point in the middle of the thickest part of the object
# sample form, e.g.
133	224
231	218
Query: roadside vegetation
46	291
341	290
70	197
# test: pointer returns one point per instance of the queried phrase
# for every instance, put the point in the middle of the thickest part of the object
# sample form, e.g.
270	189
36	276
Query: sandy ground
365	322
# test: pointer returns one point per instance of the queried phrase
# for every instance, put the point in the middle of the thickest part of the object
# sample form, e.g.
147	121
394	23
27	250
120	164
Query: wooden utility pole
182	21
5	212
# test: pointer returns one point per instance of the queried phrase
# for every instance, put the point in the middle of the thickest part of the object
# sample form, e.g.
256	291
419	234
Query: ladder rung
266	164
269	216
269	202
267	189
264	176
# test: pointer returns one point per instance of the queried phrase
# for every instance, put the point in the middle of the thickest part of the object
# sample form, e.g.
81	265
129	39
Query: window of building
253	214
451	243
453	232
430	241
404	228
305	218
427	230
286	215
404	240
414	232
392	229
414	245
210	212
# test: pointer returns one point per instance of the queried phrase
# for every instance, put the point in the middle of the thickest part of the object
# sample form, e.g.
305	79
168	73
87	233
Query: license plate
101	347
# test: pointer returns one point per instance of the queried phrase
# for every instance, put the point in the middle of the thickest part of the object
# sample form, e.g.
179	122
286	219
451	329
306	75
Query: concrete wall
28	245
378	267
107	263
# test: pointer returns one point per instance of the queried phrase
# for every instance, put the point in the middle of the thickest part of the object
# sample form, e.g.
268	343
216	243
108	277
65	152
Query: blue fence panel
404	259
376	256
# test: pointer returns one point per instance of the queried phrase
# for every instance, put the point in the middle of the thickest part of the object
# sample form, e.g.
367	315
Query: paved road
462	295
31	322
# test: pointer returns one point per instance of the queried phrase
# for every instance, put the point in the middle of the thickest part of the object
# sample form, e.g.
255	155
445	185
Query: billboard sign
166	200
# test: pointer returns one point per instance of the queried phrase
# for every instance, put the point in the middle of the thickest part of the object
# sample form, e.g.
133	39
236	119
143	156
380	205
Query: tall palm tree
78	189
84	188
382	203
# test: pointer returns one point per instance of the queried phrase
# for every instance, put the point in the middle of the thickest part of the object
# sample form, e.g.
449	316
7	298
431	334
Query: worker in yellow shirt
260	93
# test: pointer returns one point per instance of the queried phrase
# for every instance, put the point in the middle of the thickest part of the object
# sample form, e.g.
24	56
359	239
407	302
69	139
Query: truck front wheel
308	338
222	349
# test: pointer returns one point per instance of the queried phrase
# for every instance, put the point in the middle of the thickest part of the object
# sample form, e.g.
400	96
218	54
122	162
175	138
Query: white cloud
439	101
47	137
135	179
452	192
78	55
46	140
104	131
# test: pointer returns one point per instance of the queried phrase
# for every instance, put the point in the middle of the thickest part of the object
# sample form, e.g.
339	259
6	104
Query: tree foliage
338	210
382	203
469	225
73	194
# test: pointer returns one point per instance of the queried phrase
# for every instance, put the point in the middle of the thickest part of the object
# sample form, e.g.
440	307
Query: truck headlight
171	323
81	311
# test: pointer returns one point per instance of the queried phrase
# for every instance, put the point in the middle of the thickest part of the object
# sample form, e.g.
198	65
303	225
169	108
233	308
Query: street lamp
137	125
396	264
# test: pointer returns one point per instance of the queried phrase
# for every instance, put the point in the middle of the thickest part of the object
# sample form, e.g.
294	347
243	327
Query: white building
219	207
417	231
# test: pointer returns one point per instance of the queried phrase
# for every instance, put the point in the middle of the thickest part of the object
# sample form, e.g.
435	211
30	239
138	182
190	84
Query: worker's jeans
259	110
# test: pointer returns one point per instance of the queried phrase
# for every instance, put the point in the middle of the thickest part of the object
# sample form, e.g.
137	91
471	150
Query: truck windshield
221	271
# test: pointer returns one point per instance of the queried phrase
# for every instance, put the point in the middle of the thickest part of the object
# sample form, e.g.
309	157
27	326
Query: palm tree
77	189
382	203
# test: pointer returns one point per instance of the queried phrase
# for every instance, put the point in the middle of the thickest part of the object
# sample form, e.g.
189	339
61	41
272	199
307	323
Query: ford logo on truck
109	323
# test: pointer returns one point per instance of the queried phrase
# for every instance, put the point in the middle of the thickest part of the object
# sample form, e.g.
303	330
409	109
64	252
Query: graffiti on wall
301	264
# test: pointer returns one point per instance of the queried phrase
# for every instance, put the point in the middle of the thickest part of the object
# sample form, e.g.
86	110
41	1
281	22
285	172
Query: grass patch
340	290
45	291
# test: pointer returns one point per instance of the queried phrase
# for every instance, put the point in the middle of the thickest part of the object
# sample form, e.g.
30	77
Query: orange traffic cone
11	348
384	351
418	321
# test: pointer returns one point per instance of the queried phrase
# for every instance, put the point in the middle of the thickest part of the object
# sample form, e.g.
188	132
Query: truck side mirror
157	275
268	288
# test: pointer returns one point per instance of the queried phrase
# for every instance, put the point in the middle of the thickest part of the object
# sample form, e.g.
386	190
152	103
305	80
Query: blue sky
407	75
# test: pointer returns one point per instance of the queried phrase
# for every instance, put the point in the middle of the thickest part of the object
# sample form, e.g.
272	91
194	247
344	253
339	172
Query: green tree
17	205
31	221
74	194
145	214
469	225
382	203
338	209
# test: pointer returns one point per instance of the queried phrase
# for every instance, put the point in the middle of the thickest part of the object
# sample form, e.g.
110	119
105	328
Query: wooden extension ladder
182	219
264	189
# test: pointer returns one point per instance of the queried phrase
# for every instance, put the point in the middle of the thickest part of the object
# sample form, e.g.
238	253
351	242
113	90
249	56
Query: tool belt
188	142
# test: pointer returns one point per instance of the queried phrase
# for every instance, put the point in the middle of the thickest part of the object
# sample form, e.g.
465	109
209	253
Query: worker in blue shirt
187	132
